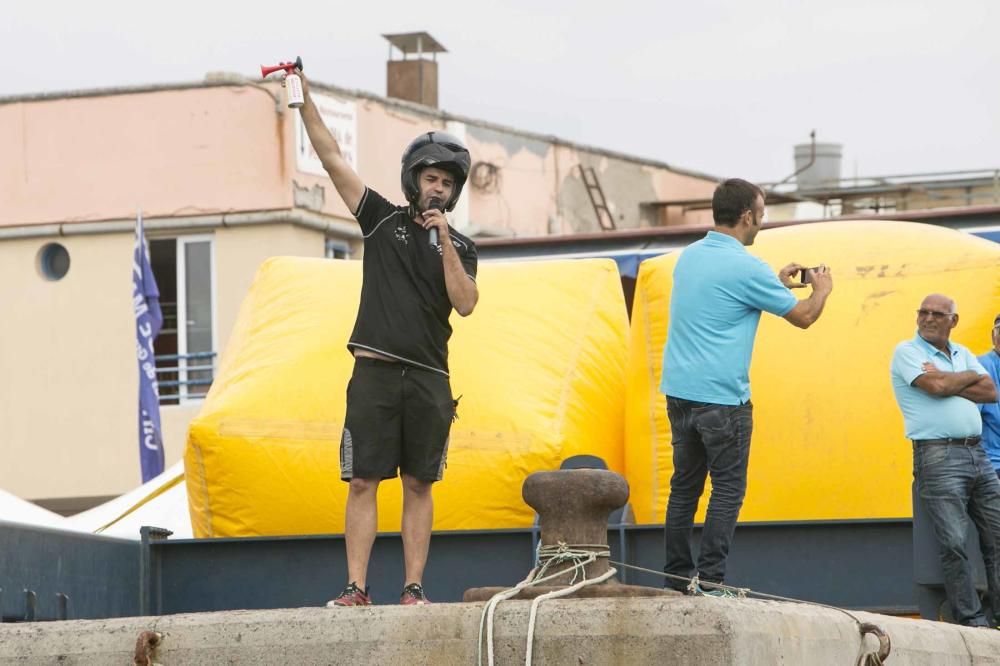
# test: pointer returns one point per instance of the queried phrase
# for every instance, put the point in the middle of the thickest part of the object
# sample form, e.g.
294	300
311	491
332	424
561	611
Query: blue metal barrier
47	574
854	564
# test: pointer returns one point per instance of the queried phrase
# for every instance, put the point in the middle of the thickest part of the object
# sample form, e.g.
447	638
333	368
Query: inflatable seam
203	488
654	387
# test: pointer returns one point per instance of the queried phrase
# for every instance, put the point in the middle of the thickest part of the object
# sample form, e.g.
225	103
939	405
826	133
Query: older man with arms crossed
937	385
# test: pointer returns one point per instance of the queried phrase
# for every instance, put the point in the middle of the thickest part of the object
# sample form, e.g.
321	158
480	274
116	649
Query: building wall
67	349
68	375
523	186
172	152
202	150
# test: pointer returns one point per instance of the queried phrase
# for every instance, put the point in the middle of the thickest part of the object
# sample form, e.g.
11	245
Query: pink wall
538	187
215	149
177	152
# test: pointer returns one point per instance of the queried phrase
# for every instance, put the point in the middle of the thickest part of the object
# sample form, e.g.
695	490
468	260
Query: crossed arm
966	384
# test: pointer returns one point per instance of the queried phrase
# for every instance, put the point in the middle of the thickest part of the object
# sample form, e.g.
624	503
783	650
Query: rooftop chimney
414	80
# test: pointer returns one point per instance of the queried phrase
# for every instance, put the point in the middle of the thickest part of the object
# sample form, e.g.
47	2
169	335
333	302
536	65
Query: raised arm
807	311
344	178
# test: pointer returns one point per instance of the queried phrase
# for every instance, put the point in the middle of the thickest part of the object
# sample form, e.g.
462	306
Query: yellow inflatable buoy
540	365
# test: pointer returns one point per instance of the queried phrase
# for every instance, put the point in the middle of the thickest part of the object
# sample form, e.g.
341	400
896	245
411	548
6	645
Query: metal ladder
597	199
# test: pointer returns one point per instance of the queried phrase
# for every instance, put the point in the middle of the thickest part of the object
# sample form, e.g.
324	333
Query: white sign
341	118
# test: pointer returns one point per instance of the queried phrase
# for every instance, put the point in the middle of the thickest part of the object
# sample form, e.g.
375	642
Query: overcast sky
721	86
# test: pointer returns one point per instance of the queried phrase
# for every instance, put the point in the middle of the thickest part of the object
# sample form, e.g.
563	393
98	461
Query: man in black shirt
399	403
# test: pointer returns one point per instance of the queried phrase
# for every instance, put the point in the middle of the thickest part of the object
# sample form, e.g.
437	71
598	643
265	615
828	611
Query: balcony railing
182	377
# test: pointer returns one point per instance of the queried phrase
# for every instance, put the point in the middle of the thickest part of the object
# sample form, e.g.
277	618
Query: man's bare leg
418	517
360	525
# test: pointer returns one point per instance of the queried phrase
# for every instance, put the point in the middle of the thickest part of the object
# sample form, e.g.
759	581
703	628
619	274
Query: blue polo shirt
926	416
991	411
719	292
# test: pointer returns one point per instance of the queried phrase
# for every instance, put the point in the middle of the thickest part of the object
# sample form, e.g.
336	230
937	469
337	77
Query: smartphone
804	279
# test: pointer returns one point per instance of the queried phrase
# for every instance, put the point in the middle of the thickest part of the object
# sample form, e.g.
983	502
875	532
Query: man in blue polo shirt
719	292
991	410
937	385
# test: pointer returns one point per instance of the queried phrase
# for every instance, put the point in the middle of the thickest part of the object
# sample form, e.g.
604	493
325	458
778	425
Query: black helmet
441	151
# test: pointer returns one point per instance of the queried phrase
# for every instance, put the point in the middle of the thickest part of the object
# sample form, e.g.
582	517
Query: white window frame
336	244
182	343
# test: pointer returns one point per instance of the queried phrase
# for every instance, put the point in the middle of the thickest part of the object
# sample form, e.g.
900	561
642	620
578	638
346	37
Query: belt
960	441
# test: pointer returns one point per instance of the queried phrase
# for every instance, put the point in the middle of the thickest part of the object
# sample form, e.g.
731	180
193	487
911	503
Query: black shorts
398	417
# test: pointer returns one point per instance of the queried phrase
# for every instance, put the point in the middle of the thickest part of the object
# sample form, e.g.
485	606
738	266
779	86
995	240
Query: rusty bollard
573	507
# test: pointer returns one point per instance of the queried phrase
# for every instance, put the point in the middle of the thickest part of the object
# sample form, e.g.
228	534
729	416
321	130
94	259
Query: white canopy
161	501
13	509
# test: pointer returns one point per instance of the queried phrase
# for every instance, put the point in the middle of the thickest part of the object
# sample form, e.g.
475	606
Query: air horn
293	84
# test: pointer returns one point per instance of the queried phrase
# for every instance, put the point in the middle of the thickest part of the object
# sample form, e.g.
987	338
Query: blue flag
148	322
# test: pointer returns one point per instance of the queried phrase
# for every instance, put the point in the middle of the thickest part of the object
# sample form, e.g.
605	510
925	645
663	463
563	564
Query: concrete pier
675	630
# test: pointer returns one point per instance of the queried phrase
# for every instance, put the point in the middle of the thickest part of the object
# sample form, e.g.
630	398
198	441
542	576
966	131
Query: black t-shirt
404	306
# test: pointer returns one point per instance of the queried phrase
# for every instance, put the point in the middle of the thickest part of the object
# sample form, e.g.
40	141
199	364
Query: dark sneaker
413	595
719	593
351	596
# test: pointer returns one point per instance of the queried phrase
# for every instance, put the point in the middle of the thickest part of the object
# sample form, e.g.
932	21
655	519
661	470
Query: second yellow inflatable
828	438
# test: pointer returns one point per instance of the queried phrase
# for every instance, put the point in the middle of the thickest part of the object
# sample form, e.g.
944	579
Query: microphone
434	204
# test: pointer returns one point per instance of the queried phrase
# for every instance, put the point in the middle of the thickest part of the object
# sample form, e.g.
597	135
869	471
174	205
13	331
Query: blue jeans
957	483
707	439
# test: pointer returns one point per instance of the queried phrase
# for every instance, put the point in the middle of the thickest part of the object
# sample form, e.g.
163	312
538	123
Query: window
334	249
185	348
53	261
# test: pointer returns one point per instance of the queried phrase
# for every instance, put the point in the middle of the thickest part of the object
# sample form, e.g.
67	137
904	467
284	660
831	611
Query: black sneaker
413	595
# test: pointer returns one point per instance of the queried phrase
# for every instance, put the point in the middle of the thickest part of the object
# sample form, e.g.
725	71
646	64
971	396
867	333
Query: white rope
546	557
554	595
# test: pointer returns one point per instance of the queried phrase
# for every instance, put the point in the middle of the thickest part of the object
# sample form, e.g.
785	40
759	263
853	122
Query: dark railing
182	376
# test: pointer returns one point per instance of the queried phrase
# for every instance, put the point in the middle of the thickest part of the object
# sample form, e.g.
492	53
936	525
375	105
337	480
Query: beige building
224	178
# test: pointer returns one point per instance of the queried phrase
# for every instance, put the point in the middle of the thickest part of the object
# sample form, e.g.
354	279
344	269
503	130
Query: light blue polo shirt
719	292
991	410
926	416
